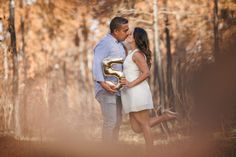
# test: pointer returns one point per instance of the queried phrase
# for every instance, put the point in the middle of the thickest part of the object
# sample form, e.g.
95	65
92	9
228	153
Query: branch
150	23
179	13
126	12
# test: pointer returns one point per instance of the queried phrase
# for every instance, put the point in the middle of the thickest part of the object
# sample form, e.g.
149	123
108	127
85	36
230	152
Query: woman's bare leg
141	122
164	117
152	121
134	124
142	118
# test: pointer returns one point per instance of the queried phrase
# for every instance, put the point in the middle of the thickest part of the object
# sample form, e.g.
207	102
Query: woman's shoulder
138	54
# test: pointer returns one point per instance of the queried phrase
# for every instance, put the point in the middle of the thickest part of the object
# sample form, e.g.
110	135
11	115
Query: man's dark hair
117	22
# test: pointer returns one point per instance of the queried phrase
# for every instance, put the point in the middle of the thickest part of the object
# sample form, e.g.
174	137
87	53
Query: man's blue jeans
112	115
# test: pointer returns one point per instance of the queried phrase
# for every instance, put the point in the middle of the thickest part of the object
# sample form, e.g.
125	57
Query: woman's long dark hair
142	42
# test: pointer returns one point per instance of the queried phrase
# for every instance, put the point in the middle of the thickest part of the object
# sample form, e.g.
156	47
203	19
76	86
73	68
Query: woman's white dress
139	97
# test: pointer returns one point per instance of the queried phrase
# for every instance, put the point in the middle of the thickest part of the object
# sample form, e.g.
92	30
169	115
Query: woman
136	95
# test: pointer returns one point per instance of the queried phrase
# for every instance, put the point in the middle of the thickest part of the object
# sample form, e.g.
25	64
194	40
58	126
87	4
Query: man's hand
111	89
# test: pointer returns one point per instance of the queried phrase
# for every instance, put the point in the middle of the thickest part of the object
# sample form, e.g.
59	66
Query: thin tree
170	93
15	68
216	32
4	48
24	14
158	72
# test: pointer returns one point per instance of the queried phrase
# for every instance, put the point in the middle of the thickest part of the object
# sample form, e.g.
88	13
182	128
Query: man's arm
100	53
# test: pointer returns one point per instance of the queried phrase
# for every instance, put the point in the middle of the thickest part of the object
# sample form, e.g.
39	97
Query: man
109	98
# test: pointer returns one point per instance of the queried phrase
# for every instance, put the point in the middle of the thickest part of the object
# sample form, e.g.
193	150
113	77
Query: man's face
122	32
130	38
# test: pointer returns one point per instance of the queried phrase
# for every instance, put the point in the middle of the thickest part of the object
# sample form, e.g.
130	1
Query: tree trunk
4	47
23	46
84	33
15	68
216	32
170	94
5	61
65	83
158	72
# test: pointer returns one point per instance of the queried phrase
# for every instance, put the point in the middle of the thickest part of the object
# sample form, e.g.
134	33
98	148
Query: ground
189	146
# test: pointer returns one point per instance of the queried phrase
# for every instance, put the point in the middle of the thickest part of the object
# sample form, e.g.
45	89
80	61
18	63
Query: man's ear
115	31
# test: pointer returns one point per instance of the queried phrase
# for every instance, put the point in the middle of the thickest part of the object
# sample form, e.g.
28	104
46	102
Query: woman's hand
125	83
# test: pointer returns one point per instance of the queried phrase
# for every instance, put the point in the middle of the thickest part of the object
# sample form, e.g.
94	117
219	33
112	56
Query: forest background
46	87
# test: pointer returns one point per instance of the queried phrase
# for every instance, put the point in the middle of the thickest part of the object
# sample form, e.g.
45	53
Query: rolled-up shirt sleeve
100	52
